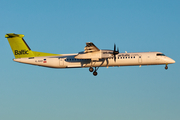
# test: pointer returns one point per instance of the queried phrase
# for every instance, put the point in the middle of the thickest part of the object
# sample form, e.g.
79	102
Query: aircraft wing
90	47
90	52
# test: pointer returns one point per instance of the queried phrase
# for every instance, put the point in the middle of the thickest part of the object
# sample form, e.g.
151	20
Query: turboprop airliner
92	57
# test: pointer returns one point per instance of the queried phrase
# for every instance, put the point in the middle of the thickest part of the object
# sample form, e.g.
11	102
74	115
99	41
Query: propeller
115	52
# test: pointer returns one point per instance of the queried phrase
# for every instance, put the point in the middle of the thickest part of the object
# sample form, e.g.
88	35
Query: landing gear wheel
166	67
94	73
91	69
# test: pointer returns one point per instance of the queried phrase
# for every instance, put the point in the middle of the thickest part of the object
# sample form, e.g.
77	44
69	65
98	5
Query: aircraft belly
47	62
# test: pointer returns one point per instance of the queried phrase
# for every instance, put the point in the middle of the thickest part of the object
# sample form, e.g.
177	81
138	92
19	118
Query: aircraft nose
171	60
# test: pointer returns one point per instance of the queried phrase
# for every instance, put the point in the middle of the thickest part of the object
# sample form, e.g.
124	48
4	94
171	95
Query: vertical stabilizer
18	45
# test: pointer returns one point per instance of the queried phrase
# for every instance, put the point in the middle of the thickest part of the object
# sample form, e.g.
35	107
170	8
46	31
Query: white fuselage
122	59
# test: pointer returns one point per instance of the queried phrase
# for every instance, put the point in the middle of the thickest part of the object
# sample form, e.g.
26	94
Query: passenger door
140	59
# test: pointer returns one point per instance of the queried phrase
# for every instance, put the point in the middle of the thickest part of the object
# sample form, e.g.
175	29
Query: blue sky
138	93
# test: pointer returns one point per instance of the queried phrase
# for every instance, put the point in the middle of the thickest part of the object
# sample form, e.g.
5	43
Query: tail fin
19	46
21	49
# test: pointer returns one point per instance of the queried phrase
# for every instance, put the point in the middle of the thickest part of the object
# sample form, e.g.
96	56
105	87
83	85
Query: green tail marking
20	48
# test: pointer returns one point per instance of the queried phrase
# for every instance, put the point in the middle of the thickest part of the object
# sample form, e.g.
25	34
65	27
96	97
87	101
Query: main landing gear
95	71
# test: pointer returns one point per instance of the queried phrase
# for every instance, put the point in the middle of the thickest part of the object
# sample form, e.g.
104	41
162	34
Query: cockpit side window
160	54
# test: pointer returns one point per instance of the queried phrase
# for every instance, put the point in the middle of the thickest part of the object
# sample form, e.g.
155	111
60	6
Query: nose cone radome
171	61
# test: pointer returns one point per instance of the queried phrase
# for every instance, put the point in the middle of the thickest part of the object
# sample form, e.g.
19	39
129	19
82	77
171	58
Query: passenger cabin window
160	54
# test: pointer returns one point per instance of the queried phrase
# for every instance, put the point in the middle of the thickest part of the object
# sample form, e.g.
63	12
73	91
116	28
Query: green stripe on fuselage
41	54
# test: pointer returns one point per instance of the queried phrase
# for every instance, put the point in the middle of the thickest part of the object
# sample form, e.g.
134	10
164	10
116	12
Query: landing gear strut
166	67
95	71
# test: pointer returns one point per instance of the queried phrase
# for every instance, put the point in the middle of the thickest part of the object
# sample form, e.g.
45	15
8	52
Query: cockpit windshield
160	54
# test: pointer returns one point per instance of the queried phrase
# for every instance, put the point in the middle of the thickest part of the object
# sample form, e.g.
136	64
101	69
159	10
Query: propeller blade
114	58
114	47
115	52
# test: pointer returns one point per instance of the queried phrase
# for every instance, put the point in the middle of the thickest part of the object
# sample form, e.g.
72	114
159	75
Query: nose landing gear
95	71
166	67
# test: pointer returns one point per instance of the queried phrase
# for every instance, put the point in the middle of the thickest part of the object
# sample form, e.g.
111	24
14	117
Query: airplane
92	57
